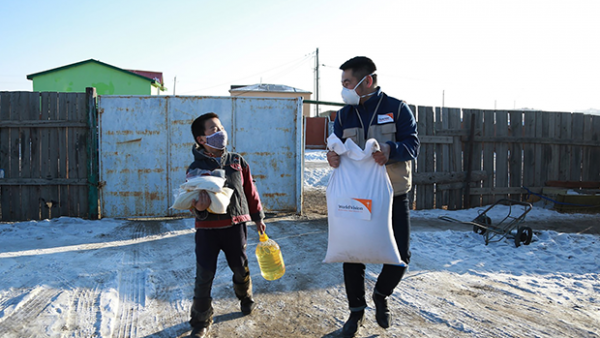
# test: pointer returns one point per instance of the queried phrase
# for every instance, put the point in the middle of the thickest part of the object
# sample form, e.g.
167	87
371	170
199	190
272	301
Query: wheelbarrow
508	227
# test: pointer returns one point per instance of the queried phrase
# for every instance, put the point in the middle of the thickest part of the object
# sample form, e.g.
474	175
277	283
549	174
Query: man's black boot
200	332
244	293
201	314
382	312
353	324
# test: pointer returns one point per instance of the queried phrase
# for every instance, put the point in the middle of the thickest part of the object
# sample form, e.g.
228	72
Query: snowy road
117	278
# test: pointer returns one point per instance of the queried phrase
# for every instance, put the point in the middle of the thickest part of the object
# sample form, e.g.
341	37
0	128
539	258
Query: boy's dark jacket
245	202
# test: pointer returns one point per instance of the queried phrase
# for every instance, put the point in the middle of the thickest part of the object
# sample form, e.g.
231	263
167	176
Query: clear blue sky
480	54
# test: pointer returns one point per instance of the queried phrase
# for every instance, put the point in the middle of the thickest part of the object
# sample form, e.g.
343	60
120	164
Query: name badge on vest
387	118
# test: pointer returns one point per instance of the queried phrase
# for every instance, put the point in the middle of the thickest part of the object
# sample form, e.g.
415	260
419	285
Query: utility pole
443	97
174	84
317	82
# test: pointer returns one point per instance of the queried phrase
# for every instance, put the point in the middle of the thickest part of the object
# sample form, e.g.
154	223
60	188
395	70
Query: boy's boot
382	312
243	292
353	324
202	312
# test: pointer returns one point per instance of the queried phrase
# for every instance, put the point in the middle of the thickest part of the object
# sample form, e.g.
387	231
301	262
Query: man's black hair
361	66
198	126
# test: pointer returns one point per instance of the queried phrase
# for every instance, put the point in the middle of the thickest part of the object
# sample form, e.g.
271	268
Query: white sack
219	201
188	192
359	207
184	199
208	183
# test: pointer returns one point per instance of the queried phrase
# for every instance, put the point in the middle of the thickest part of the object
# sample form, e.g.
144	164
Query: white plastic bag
208	183
219	201
203	180
184	199
359	207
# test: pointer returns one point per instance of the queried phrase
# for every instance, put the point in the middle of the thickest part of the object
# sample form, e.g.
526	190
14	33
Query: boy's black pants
209	242
390	276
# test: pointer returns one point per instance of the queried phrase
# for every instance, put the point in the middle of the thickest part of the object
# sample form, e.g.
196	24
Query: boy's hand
381	157
260	226
203	201
333	158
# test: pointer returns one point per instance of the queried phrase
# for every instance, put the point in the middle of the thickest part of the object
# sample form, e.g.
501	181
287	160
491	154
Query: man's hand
381	157
260	226
333	159
203	201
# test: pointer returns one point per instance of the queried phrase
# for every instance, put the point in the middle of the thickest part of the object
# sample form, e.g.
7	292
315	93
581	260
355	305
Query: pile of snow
311	155
316	170
499	212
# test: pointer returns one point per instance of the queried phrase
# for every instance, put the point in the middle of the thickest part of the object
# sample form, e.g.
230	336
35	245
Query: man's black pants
390	276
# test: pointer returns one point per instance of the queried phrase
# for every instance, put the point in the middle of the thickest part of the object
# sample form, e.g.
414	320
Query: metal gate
146	146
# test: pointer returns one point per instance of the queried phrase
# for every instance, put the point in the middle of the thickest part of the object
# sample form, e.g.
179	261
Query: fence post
93	170
467	196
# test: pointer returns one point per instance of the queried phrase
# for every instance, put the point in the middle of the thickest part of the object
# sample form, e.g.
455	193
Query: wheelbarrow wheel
518	238
526	235
479	230
485	221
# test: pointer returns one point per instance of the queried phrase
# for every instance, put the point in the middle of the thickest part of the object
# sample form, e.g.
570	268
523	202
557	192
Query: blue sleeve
406	147
337	126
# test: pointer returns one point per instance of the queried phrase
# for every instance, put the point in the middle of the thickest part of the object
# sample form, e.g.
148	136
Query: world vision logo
366	203
356	208
385	118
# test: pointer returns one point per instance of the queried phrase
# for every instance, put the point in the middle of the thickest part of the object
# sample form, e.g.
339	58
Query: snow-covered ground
134	278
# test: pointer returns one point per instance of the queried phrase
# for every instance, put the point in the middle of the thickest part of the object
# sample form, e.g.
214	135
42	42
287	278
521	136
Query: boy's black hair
198	126
361	66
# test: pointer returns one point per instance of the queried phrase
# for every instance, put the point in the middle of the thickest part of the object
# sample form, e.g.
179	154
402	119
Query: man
370	113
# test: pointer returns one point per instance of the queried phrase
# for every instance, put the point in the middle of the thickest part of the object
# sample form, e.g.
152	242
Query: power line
288	70
328	66
305	57
293	67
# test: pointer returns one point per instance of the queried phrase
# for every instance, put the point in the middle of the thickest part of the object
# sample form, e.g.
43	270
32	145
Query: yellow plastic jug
269	258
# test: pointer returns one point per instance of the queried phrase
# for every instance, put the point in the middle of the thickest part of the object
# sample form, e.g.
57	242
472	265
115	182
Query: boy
215	232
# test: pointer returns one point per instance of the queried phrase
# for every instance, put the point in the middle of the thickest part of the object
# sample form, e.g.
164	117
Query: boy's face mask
217	140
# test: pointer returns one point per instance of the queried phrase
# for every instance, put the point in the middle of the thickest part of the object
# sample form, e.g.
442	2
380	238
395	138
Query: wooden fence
49	154
50	168
506	150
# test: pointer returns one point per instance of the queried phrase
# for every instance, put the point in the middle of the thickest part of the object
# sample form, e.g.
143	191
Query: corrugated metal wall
146	146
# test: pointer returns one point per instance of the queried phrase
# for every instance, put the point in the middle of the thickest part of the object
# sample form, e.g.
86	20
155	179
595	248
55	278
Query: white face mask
349	96
217	140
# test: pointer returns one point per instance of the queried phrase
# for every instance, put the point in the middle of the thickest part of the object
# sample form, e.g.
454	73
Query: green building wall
106	80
